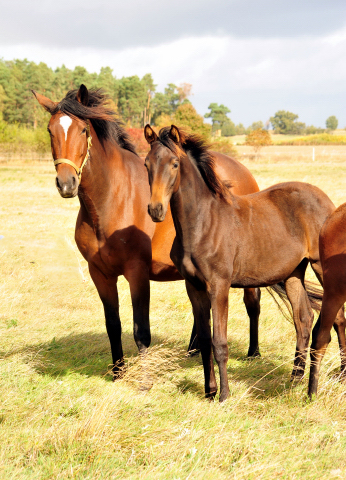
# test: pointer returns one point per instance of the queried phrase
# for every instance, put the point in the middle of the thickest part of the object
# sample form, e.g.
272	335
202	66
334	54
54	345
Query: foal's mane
198	149
106	125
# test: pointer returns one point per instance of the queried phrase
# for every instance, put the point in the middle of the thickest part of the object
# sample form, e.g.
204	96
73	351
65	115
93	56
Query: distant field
61	417
294	154
240	139
278	138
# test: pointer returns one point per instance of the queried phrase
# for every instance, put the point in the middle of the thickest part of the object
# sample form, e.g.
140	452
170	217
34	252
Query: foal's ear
149	134
49	105
83	95
175	134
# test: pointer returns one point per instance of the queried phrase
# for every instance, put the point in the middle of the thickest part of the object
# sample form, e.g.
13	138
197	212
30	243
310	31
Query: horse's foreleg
219	306
138	278
252	297
302	316
108	292
201	310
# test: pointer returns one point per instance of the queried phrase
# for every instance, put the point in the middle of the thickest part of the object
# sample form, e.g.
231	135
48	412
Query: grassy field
61	417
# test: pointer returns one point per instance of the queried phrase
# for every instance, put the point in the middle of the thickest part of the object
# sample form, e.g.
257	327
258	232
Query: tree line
135	99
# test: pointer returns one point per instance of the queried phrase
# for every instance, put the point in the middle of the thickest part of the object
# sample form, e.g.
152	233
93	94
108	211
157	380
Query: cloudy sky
254	56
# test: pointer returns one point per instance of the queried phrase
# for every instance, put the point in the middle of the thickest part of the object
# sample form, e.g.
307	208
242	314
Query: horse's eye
84	130
175	165
50	133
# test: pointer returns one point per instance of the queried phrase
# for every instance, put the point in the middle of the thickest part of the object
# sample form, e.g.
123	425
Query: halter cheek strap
87	156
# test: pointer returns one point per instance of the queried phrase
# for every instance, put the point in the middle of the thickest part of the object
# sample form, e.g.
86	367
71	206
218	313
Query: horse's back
285	219
303	196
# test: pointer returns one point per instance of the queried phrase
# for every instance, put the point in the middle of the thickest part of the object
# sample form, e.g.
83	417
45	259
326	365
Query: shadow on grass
89	354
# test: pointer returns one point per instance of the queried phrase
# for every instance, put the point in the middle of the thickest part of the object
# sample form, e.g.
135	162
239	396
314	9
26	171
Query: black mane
106	125
199	151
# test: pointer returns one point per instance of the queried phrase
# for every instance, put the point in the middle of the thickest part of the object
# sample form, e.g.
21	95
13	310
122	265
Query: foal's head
162	163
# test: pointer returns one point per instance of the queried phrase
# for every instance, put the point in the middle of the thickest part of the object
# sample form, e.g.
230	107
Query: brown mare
333	260
224	240
114	232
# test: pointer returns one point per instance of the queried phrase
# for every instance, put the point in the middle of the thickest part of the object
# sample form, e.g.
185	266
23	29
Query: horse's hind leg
108	292
252	297
201	310
193	348
331	304
339	322
138	278
302	315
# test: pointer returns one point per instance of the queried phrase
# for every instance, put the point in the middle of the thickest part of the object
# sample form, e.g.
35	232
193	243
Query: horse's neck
99	182
187	204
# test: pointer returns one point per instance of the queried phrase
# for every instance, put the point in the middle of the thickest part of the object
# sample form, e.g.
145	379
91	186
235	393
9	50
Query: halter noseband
87	156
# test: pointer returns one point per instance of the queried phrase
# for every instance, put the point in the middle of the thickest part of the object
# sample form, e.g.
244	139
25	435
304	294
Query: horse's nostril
73	181
160	209
57	182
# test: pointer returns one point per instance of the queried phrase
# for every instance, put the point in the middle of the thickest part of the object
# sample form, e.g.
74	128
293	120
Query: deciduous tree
286	123
332	122
258	139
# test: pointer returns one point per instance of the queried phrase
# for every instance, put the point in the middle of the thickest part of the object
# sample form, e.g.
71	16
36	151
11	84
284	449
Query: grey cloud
118	25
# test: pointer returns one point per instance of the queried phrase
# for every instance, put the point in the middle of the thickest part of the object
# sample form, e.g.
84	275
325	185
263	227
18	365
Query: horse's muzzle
156	212
67	189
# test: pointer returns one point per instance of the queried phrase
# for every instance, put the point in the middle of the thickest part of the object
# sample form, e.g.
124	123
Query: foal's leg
108	291
331	303
302	315
138	278
201	310
219	306
252	297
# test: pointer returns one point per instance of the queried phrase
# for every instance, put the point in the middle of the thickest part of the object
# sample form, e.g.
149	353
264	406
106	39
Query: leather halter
87	156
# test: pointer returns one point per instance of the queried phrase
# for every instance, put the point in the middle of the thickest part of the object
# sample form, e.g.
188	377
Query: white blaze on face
65	122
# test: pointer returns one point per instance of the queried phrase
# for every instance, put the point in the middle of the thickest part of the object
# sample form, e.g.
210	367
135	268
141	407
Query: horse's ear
149	134
175	134
83	95
49	105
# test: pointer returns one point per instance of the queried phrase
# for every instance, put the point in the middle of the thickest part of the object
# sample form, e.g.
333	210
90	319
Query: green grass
20	140
61	417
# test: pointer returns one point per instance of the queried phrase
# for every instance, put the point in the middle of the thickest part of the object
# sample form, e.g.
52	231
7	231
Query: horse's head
162	164
70	142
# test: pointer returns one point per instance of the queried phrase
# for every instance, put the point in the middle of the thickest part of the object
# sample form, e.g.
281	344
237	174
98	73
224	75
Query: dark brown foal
225	240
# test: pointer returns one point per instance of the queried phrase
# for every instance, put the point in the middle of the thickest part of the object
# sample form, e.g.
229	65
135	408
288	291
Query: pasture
61	416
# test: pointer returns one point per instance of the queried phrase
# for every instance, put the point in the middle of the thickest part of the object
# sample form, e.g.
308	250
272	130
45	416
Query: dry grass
61	416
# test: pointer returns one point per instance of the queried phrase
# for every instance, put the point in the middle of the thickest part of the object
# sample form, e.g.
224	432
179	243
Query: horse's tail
313	291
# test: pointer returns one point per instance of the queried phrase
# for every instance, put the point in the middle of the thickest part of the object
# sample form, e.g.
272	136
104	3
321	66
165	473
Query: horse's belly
266	271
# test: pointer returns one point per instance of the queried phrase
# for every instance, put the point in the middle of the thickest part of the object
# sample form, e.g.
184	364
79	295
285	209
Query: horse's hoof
223	397
251	356
211	395
193	353
297	375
